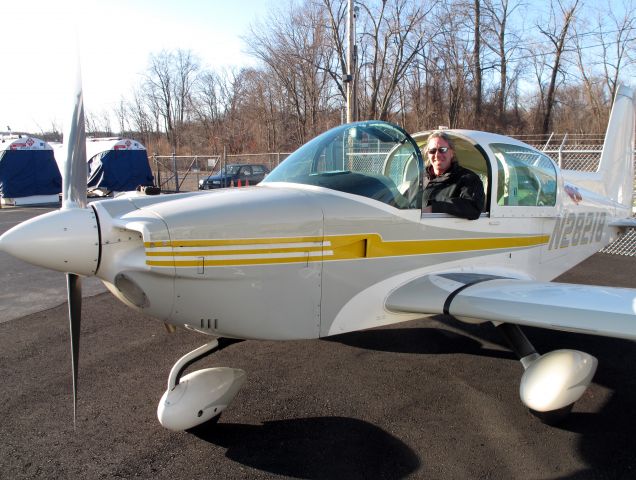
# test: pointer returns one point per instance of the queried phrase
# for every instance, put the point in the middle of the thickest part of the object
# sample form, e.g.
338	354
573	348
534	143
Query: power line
568	50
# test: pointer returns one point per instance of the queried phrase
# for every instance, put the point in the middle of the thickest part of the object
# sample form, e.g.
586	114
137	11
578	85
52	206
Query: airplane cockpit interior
469	155
381	161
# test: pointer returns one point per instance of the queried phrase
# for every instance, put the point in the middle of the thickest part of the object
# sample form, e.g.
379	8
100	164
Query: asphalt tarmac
428	399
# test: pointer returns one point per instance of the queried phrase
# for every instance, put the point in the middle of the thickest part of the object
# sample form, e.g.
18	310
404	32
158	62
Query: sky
116	38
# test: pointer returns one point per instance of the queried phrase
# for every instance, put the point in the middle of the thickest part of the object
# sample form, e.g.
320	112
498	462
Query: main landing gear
199	396
550	385
552	382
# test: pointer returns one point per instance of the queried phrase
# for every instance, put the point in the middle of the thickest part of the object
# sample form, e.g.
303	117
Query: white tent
28	172
114	164
117	165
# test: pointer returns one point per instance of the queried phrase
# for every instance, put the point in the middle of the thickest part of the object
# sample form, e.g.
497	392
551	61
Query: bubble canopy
374	159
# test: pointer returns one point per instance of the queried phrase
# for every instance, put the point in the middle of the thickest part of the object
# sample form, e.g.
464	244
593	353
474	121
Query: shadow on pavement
317	448
423	340
605	432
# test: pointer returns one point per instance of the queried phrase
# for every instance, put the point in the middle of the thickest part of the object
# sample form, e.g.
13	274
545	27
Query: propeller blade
74	290
75	169
74	176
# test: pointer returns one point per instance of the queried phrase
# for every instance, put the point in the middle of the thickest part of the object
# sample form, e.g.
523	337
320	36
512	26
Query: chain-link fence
624	245
181	173
571	152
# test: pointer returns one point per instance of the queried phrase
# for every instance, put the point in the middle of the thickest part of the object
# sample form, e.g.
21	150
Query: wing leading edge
596	310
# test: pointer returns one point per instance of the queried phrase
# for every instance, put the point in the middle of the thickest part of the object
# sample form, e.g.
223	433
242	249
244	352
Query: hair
444	136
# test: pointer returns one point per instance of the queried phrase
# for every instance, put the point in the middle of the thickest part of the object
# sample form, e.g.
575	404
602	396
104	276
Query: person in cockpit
449	187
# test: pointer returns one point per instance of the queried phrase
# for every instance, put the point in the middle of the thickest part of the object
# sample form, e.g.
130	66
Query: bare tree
477	72
556	32
592	84
207	107
122	117
168	88
505	44
618	43
390	40
98	123
336	11
453	63
141	117
91	124
186	70
55	134
294	49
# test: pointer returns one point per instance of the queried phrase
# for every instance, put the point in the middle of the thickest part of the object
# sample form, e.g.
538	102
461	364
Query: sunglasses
433	151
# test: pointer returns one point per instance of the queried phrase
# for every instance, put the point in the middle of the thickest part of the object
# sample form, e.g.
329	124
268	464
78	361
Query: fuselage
285	261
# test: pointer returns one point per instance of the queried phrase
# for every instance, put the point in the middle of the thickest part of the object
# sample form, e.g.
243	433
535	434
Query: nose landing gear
199	396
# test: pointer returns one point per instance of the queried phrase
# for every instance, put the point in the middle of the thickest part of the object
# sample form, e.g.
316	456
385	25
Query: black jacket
458	191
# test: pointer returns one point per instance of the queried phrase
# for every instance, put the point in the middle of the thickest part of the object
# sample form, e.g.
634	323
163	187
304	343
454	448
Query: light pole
350	79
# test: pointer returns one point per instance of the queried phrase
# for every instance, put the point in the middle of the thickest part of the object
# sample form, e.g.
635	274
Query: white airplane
334	240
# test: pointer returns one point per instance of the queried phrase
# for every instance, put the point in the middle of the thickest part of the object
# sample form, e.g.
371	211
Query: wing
589	309
624	223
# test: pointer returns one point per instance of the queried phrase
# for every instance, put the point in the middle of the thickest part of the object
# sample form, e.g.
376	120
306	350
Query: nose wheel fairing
199	396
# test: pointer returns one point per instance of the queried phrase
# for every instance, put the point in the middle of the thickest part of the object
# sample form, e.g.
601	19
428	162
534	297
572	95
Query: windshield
230	169
377	160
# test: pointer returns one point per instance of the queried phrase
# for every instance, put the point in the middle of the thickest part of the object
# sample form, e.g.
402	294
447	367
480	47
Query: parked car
231	175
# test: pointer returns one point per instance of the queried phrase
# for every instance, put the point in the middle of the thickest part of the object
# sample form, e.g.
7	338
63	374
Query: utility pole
350	79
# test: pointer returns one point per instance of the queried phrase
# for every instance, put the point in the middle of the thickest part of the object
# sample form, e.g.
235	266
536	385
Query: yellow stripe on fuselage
263	251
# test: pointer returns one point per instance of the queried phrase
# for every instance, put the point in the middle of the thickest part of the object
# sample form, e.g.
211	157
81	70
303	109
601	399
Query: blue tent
28	168
117	165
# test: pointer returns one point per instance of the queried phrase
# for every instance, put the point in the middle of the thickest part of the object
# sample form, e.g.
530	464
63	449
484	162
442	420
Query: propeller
74	176
66	240
75	168
74	295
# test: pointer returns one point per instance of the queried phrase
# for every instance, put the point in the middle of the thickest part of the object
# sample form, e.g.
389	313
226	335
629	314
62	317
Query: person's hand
428	209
